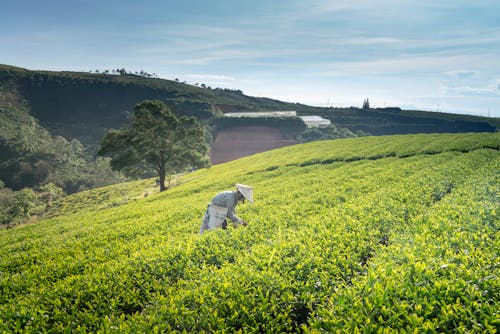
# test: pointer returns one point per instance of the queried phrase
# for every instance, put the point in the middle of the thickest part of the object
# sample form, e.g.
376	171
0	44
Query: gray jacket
228	199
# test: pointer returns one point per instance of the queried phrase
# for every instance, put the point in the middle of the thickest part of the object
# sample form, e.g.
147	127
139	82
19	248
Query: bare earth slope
242	141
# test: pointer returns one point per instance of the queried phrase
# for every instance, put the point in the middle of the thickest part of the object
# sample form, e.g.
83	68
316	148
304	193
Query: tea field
371	234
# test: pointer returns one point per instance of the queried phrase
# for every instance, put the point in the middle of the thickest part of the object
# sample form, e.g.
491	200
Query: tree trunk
161	174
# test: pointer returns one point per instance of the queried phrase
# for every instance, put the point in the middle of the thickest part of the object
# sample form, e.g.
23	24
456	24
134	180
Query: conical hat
246	191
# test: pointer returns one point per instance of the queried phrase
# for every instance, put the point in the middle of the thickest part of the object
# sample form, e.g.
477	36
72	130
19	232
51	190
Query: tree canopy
156	139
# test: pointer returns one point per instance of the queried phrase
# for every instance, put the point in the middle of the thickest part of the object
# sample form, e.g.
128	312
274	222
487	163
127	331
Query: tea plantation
372	234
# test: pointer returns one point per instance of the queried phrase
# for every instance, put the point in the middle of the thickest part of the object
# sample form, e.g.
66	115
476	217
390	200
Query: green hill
84	105
47	118
367	234
384	121
44	113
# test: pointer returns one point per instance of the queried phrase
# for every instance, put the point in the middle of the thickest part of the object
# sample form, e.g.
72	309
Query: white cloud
468	90
328	7
492	89
461	73
417	64
372	40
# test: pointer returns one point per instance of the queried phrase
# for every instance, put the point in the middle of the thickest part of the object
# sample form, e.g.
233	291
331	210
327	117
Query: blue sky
430	55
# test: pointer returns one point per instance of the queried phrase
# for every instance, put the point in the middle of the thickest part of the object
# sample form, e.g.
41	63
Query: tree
5	203
24	200
366	104
155	137
49	193
6	200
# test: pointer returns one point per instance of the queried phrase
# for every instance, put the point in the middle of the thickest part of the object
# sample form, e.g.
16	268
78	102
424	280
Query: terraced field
365	234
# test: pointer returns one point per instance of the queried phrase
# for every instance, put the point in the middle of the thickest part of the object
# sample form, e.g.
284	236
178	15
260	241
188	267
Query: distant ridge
84	105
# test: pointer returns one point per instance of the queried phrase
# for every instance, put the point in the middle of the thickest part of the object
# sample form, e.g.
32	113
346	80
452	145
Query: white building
315	121
310	121
262	114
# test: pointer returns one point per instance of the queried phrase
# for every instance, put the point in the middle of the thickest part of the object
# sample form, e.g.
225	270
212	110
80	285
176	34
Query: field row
396	242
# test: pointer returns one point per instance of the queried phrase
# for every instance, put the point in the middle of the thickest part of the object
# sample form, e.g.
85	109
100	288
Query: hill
47	118
84	105
367	234
387	121
51	122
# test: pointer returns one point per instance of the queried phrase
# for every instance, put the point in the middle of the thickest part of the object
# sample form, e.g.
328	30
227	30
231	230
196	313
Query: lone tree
156	138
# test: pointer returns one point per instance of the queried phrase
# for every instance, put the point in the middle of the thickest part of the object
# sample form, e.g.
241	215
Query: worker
223	206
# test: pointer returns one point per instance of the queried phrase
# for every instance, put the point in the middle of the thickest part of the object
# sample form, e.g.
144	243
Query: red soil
242	141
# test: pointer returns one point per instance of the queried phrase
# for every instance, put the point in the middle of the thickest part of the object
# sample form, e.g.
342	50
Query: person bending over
223	206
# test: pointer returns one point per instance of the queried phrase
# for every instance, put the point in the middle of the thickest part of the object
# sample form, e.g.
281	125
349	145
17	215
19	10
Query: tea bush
395	233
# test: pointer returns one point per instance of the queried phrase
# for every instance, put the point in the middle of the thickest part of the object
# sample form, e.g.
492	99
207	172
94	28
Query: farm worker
223	206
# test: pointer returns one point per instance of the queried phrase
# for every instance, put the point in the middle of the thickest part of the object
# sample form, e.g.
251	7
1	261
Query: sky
437	55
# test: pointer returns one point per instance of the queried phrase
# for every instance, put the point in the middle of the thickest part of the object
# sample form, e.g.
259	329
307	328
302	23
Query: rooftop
262	114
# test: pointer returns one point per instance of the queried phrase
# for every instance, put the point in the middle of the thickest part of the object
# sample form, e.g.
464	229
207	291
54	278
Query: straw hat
246	191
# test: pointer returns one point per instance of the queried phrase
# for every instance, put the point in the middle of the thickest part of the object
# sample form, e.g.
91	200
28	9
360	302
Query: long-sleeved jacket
228	199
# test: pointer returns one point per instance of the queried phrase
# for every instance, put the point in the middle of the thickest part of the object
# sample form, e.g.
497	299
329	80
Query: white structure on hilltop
262	114
315	121
310	121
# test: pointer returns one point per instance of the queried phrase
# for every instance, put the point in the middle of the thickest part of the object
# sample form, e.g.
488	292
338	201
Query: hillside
387	121
84	105
52	122
359	234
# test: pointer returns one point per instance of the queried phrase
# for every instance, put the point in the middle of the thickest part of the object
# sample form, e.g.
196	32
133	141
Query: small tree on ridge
366	104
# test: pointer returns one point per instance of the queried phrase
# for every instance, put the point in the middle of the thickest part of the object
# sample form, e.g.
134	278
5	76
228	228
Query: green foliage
396	233
23	202
53	160
6	199
31	156
49	193
103	198
156	137
330	132
16	207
